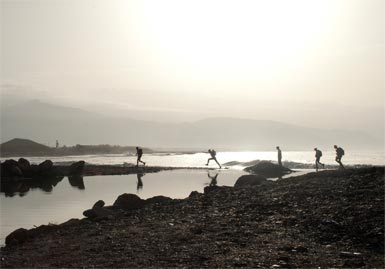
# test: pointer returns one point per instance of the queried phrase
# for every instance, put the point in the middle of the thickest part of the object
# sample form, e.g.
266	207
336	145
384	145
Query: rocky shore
325	219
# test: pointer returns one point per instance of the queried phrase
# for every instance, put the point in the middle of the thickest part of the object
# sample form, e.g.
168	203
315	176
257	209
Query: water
199	159
56	204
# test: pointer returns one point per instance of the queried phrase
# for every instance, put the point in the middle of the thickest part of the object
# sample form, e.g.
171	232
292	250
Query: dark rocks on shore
46	167
160	199
98	212
249	180
20	176
16	237
25	166
329	219
76	168
128	201
10	169
268	169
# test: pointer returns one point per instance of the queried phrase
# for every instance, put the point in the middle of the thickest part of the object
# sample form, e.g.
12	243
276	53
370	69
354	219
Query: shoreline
328	219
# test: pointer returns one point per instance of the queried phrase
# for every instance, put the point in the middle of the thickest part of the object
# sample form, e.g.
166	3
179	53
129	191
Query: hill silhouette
26	147
46	122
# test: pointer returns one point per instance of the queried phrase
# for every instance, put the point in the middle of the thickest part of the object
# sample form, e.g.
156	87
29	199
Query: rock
16	237
10	169
98	213
268	169
16	171
158	200
90	213
46	167
301	249
128	201
210	189
98	204
25	166
71	222
347	254
249	180
194	194
76	168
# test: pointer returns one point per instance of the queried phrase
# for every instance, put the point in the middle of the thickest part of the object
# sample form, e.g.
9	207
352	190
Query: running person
318	155
339	153
139	153
213	154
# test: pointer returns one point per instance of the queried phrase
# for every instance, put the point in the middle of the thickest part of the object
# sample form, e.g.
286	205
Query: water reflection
213	181
10	188
139	184
76	181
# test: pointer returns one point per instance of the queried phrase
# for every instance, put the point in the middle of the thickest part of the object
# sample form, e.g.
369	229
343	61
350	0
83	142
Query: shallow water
56	204
199	159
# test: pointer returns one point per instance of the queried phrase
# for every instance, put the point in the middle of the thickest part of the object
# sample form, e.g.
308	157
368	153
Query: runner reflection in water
213	179
139	184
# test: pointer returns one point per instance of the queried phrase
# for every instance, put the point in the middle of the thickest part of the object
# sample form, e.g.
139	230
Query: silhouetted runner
318	155
213	179
213	154
139	153
279	156
339	153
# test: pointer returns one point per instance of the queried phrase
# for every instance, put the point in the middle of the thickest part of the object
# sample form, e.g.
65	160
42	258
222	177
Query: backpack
340	152
320	153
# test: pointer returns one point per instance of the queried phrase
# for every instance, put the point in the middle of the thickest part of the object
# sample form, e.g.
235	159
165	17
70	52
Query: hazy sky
307	62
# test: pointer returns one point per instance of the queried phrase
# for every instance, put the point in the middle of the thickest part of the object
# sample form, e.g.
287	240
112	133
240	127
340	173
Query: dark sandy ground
325	219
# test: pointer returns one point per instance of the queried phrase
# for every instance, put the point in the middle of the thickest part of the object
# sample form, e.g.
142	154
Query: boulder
25	166
76	168
158	200
16	237
98	213
249	180
194	194
268	169
98	204
89	213
128	201
46	167
210	189
10	169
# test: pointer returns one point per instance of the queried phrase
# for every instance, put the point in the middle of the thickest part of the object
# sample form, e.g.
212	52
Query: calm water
26	206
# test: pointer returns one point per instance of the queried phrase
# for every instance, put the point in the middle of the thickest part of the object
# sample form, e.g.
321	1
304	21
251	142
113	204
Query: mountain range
45	123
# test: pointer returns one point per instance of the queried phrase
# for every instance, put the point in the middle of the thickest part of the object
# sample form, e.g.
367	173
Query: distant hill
23	147
46	122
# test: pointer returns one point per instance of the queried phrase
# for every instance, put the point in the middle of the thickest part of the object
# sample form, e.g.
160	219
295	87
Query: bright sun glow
234	36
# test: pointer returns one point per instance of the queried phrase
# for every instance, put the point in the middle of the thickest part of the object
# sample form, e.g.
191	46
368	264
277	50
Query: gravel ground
325	219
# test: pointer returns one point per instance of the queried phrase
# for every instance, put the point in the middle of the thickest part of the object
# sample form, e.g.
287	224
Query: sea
199	159
28	206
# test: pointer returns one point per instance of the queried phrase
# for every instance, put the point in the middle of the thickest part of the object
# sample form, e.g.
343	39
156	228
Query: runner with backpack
213	154
339	153
318	155
139	153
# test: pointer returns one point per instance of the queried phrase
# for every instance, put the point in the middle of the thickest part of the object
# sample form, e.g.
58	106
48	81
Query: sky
312	63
